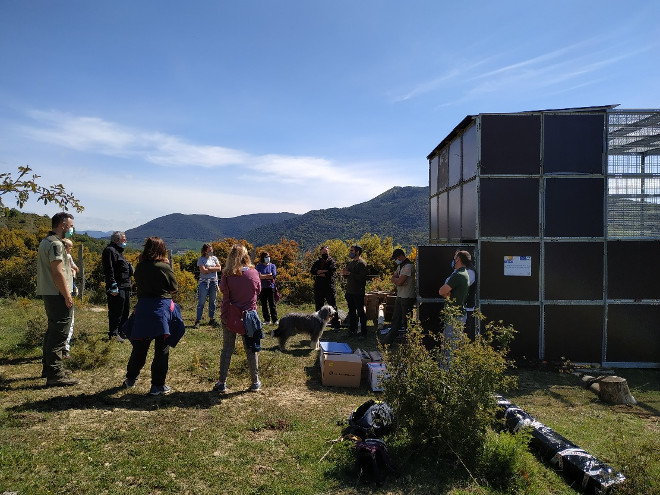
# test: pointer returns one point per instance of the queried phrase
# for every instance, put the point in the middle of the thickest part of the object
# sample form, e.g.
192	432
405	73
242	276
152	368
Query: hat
397	253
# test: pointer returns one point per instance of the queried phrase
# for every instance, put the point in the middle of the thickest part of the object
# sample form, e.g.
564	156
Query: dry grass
99	438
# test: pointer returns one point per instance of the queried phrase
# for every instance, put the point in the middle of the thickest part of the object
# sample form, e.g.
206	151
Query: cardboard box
341	370
377	372
365	356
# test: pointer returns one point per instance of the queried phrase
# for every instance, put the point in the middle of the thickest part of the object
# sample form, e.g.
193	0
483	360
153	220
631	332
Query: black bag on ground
373	419
373	460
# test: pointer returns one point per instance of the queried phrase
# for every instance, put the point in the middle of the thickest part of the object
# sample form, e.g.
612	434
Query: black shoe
61	382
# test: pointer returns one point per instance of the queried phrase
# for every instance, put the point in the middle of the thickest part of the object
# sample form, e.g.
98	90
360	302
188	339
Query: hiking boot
128	383
66	373
64	381
196	325
220	387
255	387
160	390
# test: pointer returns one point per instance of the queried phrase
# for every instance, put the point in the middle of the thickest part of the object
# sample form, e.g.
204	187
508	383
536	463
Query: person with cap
118	272
323	270
404	280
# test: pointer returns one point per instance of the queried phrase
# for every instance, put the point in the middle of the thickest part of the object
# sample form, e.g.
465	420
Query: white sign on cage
517	266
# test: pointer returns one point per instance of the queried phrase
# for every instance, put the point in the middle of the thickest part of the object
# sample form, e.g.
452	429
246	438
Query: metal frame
633	135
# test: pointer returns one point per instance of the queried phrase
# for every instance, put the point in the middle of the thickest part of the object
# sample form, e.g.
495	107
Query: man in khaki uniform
406	295
53	285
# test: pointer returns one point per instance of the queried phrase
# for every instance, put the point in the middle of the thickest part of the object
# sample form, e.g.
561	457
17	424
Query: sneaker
213	322
66	355
196	325
255	387
128	383
160	390
384	331
118	338
220	387
64	381
276	322
266	322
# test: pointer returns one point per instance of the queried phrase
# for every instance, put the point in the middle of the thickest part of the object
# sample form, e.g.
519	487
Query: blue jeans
210	288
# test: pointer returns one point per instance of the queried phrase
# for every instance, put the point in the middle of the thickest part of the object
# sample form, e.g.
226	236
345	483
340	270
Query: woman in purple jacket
240	285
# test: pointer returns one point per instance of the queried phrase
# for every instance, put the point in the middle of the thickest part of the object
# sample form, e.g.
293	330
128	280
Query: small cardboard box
377	372
341	370
365	356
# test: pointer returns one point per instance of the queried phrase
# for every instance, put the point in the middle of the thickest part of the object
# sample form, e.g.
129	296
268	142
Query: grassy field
98	438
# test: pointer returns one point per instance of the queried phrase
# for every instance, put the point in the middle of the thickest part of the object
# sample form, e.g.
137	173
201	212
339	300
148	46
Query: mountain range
400	213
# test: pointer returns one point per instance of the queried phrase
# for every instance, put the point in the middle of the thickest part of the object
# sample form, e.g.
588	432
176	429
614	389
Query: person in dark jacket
154	315
323	271
117	272
356	280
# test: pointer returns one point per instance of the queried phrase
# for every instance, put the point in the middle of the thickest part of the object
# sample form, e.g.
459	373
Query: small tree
444	396
23	185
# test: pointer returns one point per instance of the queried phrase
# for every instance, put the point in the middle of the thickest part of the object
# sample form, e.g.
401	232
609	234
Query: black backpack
373	419
373	460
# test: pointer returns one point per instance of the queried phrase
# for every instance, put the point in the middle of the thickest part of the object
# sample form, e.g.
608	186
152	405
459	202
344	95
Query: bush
448	403
89	352
505	462
35	330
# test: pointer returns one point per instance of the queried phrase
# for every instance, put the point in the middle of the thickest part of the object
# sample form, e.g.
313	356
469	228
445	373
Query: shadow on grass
19	360
111	398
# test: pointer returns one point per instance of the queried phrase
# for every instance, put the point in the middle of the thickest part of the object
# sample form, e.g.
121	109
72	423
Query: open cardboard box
339	366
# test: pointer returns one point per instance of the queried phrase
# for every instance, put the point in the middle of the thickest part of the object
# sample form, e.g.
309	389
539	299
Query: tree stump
611	389
614	389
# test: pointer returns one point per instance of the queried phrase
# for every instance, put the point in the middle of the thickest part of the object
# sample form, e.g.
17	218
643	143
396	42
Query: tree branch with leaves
24	185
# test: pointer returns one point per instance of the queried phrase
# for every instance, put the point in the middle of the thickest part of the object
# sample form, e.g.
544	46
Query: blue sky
145	108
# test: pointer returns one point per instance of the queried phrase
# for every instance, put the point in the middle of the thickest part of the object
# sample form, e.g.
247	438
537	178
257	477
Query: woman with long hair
209	266
240	285
156	317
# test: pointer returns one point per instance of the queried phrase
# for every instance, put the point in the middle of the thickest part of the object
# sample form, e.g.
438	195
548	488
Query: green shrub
89	351
448	404
505	462
35	330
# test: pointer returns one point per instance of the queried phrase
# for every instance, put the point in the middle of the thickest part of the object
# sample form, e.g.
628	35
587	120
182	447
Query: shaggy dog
313	325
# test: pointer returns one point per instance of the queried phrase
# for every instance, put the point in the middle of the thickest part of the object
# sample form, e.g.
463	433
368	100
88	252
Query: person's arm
445	291
399	279
57	269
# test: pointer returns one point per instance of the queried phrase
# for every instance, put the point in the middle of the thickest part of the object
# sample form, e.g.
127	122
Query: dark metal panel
470	153
433	218
494	284
525	320
443	169
429	315
443	216
455	160
455	214
573	143
509	207
434	266
573	332
574	207
433	175
632	333
633	270
510	144
469	211
573	270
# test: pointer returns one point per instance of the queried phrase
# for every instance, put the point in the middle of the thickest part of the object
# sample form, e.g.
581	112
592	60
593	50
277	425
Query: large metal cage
561	209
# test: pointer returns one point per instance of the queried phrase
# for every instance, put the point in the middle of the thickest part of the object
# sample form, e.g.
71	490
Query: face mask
452	263
351	255
123	244
69	232
266	259
398	262
324	256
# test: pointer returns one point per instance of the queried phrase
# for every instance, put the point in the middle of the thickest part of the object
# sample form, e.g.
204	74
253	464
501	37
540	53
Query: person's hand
68	300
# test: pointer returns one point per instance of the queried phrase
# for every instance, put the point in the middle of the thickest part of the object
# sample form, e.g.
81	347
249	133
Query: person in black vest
406	294
323	271
118	274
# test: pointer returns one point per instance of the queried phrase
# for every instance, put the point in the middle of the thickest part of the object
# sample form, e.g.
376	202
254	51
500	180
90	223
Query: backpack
373	460
373	419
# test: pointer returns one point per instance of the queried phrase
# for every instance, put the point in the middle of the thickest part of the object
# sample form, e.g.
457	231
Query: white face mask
266	259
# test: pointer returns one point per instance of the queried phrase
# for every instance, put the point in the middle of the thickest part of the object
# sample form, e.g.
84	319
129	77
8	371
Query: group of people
156	317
